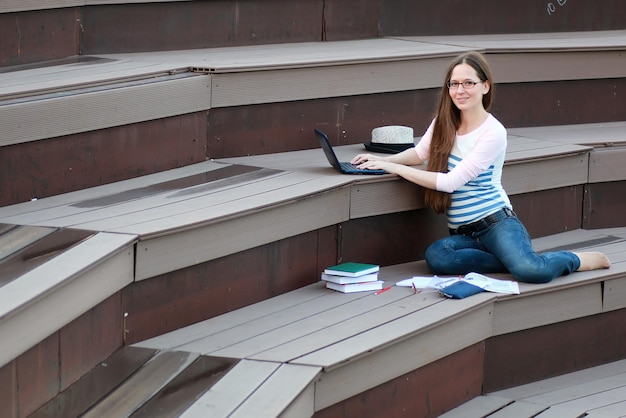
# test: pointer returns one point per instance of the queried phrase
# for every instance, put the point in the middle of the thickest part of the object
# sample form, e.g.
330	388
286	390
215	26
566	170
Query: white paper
480	280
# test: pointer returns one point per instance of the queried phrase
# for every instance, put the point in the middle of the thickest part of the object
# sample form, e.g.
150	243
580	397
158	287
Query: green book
351	269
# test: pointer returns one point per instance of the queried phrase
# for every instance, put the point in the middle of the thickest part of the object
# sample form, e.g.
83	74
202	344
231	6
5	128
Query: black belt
483	223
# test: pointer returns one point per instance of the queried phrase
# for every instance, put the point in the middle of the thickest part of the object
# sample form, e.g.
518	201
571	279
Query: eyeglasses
467	84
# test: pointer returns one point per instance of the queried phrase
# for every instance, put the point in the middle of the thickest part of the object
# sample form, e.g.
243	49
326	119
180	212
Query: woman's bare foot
592	260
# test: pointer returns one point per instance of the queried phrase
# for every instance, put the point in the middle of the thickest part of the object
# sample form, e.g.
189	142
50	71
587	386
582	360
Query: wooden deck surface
398	331
595	392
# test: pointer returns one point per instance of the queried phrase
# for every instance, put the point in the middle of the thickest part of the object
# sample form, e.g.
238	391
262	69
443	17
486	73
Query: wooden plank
253	58
237	89
408	325
379	198
87	73
598	399
10	6
566	238
286	386
85	274
581	378
72	114
480	406
154	256
233	319
560	411
607	165
66	201
213	342
527	149
543	175
390	351
614	296
137	390
528	312
518	409
232	390
527	42
294	189
328	327
582	391
609	411
96	384
112	212
592	134
21	237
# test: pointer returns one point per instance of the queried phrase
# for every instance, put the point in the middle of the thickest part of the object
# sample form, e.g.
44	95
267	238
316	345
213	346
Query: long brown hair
447	122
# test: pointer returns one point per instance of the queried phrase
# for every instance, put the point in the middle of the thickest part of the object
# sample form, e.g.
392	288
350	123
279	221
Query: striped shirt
474	172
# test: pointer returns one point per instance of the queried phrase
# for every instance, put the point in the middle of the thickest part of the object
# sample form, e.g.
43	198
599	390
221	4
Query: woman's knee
531	274
436	258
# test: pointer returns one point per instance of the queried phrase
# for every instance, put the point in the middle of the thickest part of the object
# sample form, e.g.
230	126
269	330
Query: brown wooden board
40	35
59	165
534	354
280	127
604	205
407	17
189	295
36	369
198	24
425	392
551	211
81	349
391	239
96	383
8	396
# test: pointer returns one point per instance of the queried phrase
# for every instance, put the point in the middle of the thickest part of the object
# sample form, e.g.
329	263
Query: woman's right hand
361	158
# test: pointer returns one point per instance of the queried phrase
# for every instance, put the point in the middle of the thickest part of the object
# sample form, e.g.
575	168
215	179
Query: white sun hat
391	139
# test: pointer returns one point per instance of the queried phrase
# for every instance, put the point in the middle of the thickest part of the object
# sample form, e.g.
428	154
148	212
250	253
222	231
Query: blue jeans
499	248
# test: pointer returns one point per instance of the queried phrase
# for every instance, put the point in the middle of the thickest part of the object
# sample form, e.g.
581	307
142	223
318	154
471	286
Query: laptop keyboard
348	166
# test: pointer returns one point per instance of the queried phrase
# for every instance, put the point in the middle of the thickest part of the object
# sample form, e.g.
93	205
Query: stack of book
352	277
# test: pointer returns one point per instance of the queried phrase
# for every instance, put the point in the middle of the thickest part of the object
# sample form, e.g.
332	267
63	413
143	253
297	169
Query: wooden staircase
159	167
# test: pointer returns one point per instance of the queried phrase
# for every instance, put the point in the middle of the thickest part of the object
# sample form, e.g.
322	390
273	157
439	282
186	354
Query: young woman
464	148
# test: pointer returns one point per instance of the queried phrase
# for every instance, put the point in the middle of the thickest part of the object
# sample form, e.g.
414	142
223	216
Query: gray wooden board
603	391
330	301
281	389
140	387
614	296
607	164
85	274
520	148
369	368
326	328
613	39
592	134
170	202
67	200
292	84
297	54
59	115
617	409
519	409
581	377
544	175
195	242
232	390
480	406
520	313
233	319
376	338
76	75
20	237
248	199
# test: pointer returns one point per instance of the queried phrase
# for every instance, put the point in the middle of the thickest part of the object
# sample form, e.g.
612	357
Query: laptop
342	167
